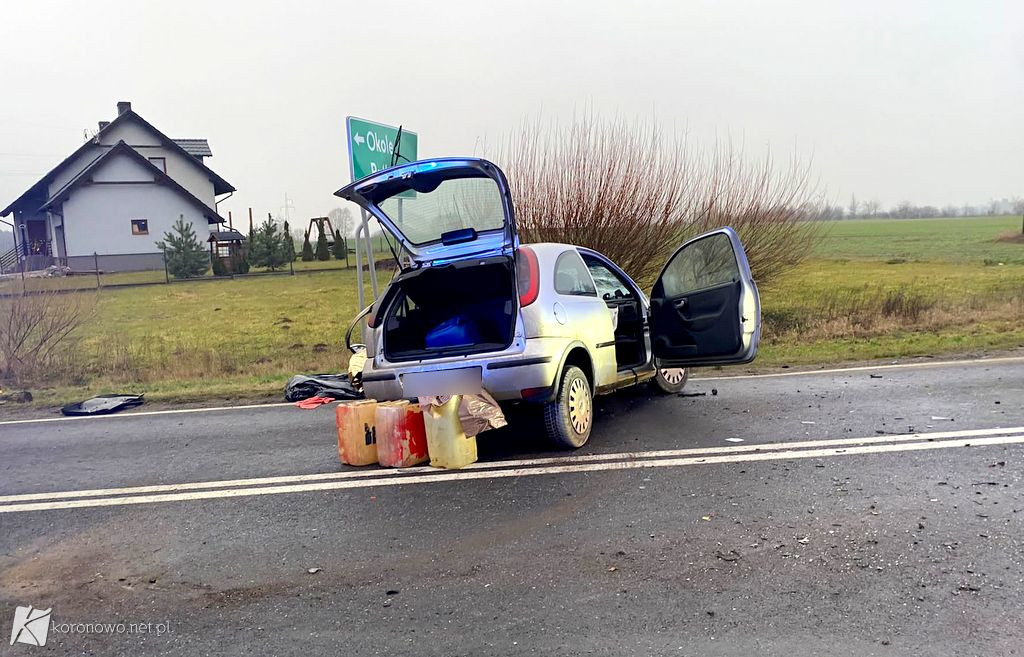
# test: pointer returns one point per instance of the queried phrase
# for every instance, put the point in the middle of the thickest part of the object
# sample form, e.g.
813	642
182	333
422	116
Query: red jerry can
401	436
357	432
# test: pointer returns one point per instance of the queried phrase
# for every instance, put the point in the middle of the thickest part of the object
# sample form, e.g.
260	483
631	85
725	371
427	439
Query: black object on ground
103	405
335	386
693	394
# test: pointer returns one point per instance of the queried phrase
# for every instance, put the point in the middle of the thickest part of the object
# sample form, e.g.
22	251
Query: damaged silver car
547	324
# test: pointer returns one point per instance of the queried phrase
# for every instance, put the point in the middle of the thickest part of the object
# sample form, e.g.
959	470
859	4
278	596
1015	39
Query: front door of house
37	237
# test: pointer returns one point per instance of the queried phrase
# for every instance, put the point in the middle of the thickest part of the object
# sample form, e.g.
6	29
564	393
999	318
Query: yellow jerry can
447	443
357	432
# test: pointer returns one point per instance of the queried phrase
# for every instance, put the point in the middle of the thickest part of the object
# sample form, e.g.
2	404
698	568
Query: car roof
549	249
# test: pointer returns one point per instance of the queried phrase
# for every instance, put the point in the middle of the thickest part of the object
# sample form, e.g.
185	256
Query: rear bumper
505	377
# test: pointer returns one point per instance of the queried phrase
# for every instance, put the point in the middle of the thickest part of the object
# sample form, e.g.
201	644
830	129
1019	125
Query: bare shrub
1012	237
907	304
624	189
36	329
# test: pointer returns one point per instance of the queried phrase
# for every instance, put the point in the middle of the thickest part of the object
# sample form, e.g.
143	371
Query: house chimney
104	124
123	106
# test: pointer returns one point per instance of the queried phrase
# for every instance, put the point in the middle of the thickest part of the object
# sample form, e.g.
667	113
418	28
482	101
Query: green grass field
874	289
970	239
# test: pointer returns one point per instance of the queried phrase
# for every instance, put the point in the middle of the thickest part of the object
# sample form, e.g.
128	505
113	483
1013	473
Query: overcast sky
917	100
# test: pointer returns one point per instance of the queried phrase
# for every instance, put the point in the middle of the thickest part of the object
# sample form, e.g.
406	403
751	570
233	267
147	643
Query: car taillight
528	276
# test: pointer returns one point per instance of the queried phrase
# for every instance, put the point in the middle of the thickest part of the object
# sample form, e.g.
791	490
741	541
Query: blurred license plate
462	381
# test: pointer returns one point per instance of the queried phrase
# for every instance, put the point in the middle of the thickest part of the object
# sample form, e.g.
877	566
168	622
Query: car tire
570	416
670	380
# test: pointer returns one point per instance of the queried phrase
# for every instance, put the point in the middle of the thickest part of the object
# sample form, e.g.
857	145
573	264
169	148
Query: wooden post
167	274
96	265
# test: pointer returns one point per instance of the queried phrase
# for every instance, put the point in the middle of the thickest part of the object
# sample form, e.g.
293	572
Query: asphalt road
784	515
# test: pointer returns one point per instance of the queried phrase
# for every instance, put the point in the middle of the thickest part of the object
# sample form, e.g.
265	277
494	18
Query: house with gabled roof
111	200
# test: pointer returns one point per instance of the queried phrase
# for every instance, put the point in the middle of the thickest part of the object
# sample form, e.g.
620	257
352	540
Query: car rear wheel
570	416
670	380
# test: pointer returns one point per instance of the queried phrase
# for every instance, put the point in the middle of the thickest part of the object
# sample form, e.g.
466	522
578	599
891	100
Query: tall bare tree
343	220
626	189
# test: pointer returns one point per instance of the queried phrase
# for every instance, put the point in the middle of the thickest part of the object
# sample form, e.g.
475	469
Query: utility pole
288	206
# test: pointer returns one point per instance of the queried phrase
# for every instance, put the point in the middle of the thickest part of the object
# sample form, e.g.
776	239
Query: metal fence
112	271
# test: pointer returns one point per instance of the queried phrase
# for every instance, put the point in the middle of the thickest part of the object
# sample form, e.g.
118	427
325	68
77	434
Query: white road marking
509	472
866	368
491	465
839	370
170	411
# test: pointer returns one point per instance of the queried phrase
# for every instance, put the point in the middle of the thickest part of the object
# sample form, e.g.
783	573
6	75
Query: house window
159	163
224	250
140	226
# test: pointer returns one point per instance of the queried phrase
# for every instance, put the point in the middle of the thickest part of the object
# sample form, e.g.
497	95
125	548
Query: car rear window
455	204
572	276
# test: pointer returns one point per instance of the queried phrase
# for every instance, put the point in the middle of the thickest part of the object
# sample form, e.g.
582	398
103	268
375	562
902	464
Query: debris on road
875	376
734	440
314	402
693	394
312	571
335	386
731	555
940	417
103	405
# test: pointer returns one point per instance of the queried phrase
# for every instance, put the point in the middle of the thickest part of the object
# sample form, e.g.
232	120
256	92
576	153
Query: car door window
609	285
704	264
572	276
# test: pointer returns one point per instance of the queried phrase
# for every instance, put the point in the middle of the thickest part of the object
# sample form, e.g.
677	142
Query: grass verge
242	339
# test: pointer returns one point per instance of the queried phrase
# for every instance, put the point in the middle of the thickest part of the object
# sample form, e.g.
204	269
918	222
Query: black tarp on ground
335	386
103	404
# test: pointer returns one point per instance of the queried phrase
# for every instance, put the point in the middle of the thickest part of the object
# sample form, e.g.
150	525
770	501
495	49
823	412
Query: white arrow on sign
358	138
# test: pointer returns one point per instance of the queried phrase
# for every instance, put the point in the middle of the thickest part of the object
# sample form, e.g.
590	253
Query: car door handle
680	304
700	318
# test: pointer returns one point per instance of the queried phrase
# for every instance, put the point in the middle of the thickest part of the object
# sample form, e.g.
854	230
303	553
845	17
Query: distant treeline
907	210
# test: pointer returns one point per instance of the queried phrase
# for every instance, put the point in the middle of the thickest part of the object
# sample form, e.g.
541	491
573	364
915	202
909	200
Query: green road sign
371	145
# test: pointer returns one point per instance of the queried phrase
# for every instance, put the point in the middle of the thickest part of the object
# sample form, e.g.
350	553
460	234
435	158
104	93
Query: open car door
705	309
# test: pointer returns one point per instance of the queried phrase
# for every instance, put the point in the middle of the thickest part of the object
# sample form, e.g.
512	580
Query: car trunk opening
465	307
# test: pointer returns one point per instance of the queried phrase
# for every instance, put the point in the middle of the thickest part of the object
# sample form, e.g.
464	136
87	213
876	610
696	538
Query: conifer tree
184	255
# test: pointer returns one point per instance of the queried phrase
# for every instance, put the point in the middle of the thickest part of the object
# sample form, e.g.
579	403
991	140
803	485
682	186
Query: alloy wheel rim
579	406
